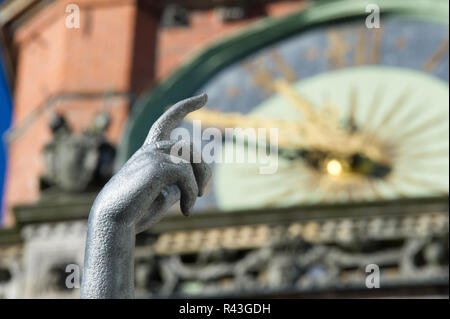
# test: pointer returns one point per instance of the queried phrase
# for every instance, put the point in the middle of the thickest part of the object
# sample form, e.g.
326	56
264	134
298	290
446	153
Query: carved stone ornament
74	163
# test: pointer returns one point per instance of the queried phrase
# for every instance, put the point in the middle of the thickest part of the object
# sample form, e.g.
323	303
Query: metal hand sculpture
136	198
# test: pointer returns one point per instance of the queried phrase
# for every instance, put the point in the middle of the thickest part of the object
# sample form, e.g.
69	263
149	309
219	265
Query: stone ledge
9	236
78	207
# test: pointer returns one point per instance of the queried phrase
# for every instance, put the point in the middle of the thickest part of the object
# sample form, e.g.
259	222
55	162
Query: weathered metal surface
134	199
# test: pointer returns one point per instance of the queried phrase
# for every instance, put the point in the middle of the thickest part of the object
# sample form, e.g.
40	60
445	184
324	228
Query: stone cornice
78	207
9	236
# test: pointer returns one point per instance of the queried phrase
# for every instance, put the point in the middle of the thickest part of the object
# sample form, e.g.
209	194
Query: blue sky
5	119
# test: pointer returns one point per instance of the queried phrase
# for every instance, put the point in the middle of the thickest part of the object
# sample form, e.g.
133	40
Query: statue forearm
134	199
109	258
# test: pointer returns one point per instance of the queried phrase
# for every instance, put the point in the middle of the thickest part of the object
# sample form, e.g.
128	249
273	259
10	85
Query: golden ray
439	152
289	132
419	129
358	189
286	176
281	197
327	195
349	193
232	92
277	177
245	170
415	164
311	129
287	91
423	139
413	154
406	162
293	165
284	67
394	109
400	43
376	101
420	159
364	192
374	190
293	189
360	52
337	49
357	192
411	115
329	189
361	45
352	111
428	171
428	185
315	128
376	51
342	193
311	54
431	63
260	78
284	88
373	133
394	187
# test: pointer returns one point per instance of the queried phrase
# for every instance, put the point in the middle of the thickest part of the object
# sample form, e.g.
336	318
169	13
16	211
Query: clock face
362	115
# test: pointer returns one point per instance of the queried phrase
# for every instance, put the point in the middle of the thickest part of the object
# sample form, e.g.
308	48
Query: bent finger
168	196
202	171
187	184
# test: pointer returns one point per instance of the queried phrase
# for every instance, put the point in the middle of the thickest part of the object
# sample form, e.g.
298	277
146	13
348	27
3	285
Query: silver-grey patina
134	199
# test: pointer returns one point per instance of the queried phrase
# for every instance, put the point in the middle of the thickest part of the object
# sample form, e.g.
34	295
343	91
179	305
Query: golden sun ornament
345	149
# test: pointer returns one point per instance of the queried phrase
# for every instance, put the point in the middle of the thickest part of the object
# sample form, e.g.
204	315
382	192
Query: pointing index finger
162	128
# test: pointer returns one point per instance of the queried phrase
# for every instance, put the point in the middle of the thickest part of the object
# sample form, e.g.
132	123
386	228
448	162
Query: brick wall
119	48
175	45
